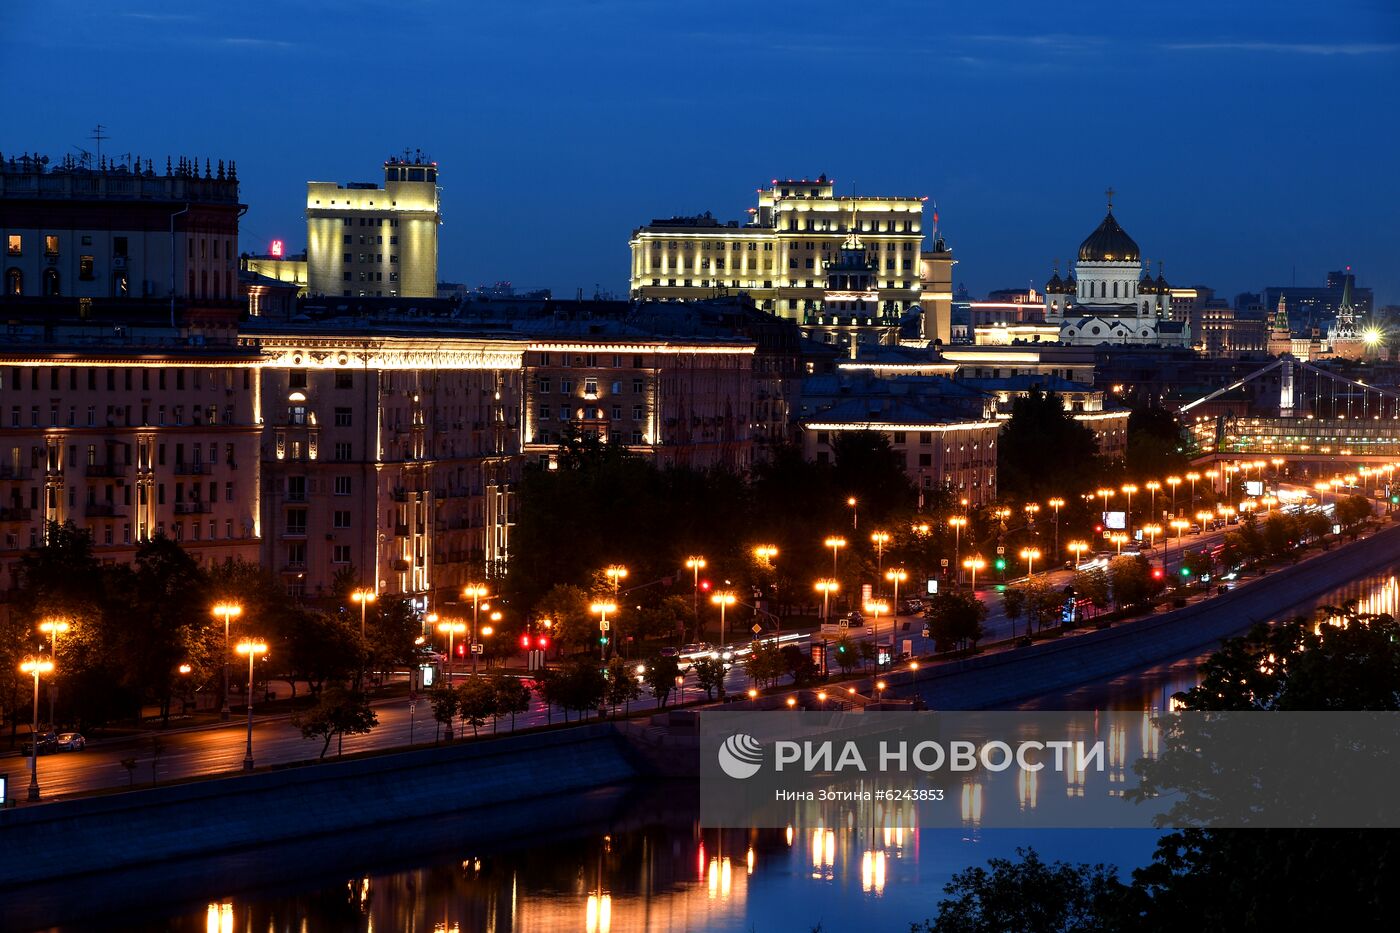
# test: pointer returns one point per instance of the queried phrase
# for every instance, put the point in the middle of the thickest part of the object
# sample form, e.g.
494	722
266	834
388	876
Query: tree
316	647
337	713
1156	442
1195	565
566	606
660	676
765	664
1031	896
709	675
955	620
1279	535
1131	580
1043	602
798	665
512	696
622	686
867	467
1351	512
844	651
476	701
445	704
579	685
1092	584
1042	451
392	630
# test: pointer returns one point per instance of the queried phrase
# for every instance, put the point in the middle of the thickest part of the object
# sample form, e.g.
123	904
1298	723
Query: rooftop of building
857	412
32	175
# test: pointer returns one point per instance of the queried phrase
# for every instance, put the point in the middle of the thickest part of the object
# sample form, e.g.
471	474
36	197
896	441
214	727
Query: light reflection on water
663	873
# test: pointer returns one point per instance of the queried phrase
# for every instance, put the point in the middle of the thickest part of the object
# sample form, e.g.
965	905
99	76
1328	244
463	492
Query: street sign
870	630
604	625
1001	549
943	562
478	649
756	628
833	628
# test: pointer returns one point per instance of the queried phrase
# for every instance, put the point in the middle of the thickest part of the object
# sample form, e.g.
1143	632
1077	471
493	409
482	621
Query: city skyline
539	160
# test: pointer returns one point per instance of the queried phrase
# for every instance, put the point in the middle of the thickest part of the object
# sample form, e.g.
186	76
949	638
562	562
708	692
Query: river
633	860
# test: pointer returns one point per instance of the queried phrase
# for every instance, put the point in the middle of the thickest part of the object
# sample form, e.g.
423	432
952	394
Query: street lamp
1278	466
836	543
226	611
1192	477
765	553
1120	538
1106	494
695	563
974	564
826	588
1204	516
1128	490
957	523
1212	475
601	609
1030	555
1322	488
35	667
252	649
1173	482
880	538
53	628
851	501
1077	548
896	575
477	592
1056	503
364	596
1178	525
614	574
1152	486
875	607
723	599
1152	531
451	629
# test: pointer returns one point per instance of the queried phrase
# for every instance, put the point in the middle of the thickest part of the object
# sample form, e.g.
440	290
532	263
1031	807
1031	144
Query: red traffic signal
543	641
1156	573
705	585
525	642
461	650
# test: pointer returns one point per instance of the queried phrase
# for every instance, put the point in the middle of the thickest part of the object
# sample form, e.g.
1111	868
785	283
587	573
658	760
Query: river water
640	862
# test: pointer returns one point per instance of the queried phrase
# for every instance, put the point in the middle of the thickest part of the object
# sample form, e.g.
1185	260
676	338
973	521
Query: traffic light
1157	573
461	650
1001	563
705	585
1395	499
602	639
543	641
1186	571
525	642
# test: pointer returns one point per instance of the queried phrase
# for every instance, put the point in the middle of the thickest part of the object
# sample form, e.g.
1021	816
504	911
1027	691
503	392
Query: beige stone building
128	440
389	450
365	241
788	257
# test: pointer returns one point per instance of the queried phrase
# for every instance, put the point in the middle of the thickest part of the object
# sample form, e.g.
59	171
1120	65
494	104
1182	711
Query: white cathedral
1109	298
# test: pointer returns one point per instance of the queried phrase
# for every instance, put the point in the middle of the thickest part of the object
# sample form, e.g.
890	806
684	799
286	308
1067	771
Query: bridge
1296	412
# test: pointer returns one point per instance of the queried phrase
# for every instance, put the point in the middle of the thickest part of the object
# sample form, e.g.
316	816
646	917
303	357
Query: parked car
70	742
911	607
854	618
1194	529
669	652
48	742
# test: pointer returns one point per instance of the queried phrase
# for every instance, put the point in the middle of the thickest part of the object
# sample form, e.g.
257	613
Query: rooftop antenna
99	134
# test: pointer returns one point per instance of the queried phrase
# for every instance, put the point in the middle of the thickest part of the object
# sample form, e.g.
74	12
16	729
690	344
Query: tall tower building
367	241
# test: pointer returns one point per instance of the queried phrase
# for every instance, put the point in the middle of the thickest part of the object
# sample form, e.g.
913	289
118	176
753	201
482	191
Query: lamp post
875	607
226	611
1173	482
451	629
476	591
974	564
957	523
1191	478
851	501
1204	516
1056	503
601	610
896	575
723	599
1152	486
252	649
765	553
1178	525
880	539
1077	548
35	667
1119	539
614	574
1032	509
1152	531
695	563
1106	494
53	628
1213	475
1029	555
836	543
364	596
1128	490
826	588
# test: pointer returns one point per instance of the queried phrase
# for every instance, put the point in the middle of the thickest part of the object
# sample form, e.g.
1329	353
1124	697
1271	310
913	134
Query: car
697	648
911	607
854	618
1194	529
669	652
48	742
70	742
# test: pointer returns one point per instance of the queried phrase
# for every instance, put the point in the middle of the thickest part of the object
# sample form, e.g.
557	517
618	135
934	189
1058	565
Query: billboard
1115	520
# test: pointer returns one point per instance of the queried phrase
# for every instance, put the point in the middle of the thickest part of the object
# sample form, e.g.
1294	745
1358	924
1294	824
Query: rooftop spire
1109	194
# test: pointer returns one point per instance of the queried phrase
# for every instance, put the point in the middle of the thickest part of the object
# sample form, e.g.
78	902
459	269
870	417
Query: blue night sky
1250	142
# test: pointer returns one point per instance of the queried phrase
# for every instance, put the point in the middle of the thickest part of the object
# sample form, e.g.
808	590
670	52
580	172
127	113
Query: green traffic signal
1186	571
1001	563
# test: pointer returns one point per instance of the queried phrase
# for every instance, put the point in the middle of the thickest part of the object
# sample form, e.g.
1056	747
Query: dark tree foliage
1156	442
1042	451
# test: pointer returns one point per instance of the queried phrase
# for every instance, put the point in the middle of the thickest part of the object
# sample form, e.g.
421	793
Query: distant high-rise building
1313	306
367	241
789	258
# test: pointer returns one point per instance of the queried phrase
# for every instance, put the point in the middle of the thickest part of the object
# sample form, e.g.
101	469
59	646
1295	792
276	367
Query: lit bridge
1296	412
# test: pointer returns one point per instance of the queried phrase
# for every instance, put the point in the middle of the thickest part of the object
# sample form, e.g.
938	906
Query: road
201	751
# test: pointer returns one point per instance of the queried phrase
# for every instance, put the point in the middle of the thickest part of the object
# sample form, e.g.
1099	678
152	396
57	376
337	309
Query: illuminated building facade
936	292
118	231
366	241
682	402
129	438
389	453
789	259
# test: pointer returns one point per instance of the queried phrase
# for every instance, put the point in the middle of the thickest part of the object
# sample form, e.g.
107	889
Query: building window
296	521
341	518
15	245
637	386
544	412
344	379
342	485
51	245
342	417
342	451
340	554
14	282
86	268
51	286
637	413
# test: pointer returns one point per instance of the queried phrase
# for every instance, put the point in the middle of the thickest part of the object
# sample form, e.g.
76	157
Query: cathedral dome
1054	286
1109	243
1146	287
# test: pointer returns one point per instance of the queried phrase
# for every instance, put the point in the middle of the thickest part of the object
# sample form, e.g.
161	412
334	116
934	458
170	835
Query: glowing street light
875	607
1152	531
36	668
695	563
1119	539
364	596
957	523
1178	525
451	629
1056	503
1077	548
53	628
477	592
851	501
1030	555
252	648
896	575
601	610
723	599
1128	490
765	553
974	564
880	539
1106	494
836	543
1152	486
1191	478
614	574
826	588
1173	482
226	611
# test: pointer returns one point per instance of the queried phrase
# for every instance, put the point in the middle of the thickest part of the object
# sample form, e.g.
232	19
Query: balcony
15	514
106	469
294	531
197	508
104	510
191	469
